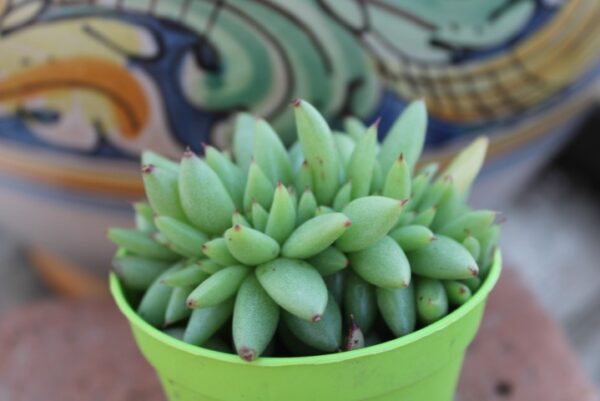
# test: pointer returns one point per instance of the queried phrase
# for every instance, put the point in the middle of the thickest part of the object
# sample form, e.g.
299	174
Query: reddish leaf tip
247	354
316	318
147	168
296	102
353	325
188	153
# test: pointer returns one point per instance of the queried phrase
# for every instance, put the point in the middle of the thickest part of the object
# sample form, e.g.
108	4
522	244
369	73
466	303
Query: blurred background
86	86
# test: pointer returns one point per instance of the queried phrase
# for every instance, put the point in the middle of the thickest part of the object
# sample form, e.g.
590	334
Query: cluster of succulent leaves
329	246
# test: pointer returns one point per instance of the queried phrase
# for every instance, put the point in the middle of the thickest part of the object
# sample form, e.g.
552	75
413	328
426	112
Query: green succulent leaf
372	218
296	286
319	150
320	244
205	200
466	165
243	140
407	136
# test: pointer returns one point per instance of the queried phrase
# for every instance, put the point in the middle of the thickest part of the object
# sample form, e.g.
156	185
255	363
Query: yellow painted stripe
69	280
461	93
503	144
126	185
114	82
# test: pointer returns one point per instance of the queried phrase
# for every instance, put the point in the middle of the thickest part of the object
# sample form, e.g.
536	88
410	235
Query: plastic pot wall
423	366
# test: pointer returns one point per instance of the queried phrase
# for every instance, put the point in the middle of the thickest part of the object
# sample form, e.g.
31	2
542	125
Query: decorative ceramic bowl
86	85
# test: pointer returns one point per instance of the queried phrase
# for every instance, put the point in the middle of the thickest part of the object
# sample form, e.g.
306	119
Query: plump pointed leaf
282	216
319	150
372	218
255	318
362	162
383	264
243	139
251	246
315	235
162	191
466	165
296	286
407	136
443	258
231	175
258	188
270	154
324	335
205	200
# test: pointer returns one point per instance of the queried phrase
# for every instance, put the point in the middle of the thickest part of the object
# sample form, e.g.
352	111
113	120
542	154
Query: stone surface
60	351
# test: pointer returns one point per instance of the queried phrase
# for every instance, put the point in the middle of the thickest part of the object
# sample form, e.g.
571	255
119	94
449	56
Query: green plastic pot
422	366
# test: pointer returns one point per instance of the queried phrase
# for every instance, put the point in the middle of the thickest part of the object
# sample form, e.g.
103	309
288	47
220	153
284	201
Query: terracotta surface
57	351
520	354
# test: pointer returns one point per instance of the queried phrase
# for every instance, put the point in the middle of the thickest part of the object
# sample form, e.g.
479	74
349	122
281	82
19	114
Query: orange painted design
27	167
65	278
108	79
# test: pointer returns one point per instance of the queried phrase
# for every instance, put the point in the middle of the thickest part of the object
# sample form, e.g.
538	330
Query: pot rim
135	320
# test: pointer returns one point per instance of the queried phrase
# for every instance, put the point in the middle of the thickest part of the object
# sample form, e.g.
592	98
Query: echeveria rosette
314	242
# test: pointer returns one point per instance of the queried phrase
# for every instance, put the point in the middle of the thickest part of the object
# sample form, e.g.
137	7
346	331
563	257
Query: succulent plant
331	245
